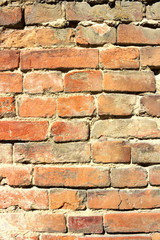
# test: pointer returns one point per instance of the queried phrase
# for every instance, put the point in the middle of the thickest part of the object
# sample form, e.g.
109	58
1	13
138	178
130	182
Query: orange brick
43	82
71	176
83	81
7	106
54	58
67	199
23	130
69	131
103	199
128	177
124	237
26	199
15	175
115	58
76	106
111	152
132	222
37	107
10	82
53	237
129	81
9	59
118	105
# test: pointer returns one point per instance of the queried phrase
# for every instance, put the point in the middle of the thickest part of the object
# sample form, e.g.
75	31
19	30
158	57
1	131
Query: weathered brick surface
150	57
54	58
69	131
125	12
71	176
86	81
10	16
37	107
87	224
110	152
131	34
9	59
50	153
23	130
129	177
132	222
41	13
43	82
118	104
117	58
40	37
129	81
79	120
76	106
10	83
67	199
97	34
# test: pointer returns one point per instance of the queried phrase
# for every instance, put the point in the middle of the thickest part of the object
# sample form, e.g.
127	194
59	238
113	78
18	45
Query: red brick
151	105
67	199
117	238
37	107
54	58
128	177
15	175
76	106
26	199
145	153
43	82
132	222
117	57
150	57
132	34
36	222
71	176
111	152
51	153
9	59
97	34
129	81
18	237
53	237
23	130
12	236
139	128
39	37
140	199
103	199
69	131
6	152
154	173
118	105
10	16
41	13
85	224
7	106
83	81
10	82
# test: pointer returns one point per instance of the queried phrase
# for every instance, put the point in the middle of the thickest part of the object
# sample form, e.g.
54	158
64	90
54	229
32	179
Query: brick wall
79	127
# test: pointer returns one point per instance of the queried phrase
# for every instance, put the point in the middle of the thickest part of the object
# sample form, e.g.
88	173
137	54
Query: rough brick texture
79	120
